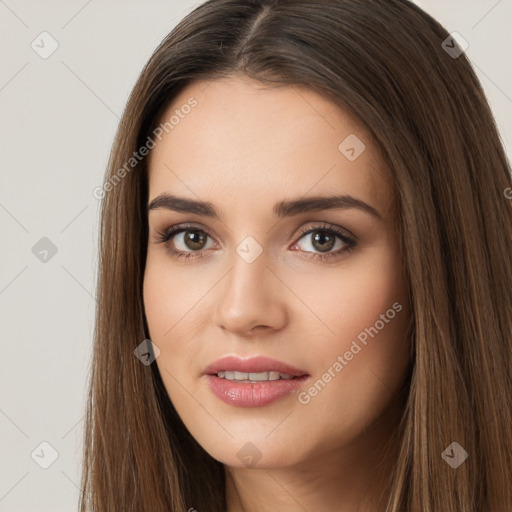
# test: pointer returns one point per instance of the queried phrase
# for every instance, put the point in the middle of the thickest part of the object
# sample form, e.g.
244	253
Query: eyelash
163	237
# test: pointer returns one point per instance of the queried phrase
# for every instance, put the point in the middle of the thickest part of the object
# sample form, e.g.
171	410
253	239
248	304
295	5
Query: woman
306	212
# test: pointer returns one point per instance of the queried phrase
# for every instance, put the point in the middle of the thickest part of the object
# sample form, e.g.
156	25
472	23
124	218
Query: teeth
253	377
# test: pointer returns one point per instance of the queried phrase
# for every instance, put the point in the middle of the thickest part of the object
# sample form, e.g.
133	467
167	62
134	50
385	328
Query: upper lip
252	365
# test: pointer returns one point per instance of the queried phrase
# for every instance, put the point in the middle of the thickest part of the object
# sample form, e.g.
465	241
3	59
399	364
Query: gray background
58	117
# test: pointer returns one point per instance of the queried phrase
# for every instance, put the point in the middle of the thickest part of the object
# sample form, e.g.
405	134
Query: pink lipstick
253	382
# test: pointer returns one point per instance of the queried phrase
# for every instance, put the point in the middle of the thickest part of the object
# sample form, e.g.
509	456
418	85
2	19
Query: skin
243	148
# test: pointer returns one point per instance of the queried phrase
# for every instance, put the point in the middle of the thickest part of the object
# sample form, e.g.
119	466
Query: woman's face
317	287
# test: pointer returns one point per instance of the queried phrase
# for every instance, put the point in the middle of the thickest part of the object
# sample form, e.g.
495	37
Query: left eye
323	240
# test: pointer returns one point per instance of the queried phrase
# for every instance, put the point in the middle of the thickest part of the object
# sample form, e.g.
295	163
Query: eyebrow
281	209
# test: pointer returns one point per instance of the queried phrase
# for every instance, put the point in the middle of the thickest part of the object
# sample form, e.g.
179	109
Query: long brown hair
389	63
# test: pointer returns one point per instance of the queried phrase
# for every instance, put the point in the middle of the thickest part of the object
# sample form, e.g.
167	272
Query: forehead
255	144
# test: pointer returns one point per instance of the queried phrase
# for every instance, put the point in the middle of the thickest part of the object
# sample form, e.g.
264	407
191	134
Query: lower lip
245	394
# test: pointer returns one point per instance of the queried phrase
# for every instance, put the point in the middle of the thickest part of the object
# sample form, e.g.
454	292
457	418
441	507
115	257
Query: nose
250	299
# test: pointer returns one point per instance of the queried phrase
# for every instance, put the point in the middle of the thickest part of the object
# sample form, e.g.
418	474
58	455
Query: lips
257	394
252	365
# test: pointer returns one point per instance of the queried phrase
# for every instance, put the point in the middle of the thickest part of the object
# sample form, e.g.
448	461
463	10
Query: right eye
192	240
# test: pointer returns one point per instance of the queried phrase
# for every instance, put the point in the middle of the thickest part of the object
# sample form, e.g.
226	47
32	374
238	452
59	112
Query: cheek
352	297
174	308
360	364
170	296
159	301
166	314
